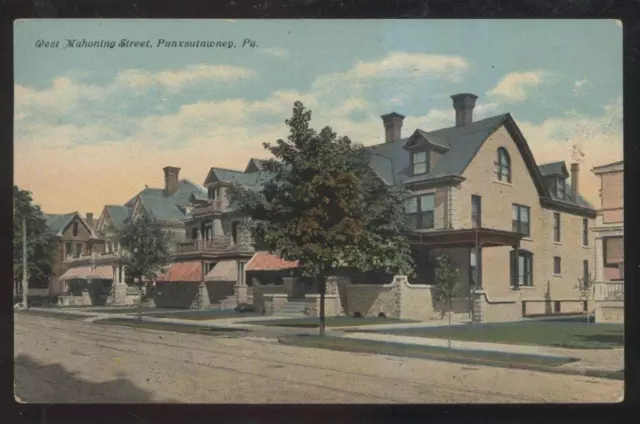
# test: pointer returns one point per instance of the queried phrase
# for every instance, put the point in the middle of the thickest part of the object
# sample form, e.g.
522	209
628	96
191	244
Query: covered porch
86	285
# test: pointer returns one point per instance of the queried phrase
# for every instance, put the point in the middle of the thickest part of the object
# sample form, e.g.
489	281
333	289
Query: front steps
293	309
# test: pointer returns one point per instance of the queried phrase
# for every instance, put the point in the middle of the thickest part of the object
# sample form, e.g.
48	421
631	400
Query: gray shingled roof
57	222
554	168
119	214
463	144
258	163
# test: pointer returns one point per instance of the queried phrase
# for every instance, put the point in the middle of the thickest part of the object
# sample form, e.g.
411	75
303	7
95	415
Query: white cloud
173	80
516	86
401	64
600	138
274	52
580	85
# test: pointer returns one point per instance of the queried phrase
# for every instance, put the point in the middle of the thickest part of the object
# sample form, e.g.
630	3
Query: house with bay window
609	244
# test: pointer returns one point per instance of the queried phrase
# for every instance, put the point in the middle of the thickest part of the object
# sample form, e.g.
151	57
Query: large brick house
75	236
518	231
168	206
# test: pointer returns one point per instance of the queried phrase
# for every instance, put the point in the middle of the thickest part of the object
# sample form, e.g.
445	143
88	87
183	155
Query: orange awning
265	261
183	271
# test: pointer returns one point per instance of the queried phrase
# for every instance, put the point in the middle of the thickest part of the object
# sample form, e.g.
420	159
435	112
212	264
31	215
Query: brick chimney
90	219
392	126
464	103
171	180
575	179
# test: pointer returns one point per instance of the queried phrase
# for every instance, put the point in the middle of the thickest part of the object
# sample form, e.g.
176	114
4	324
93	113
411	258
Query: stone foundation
611	311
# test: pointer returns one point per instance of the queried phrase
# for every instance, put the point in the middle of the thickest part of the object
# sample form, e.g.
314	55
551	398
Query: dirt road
76	362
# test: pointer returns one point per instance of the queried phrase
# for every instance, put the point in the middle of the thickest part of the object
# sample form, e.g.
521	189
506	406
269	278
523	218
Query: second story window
212	193
75	229
557	265
78	249
68	251
556	227
585	232
194	233
476	211
420	162
520	220
503	166
419	211
560	188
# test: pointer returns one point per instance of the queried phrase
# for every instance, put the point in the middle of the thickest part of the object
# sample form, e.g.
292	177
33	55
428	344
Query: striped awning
223	271
265	261
76	273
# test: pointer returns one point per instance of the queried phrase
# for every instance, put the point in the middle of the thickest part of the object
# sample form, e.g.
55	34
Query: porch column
599	262
203	294
241	284
516	262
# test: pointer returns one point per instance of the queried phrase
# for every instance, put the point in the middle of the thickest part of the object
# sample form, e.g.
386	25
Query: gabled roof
170	208
554	168
118	214
392	162
255	165
251	180
58	223
463	143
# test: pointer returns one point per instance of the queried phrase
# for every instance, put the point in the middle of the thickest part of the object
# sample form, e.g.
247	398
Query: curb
613	375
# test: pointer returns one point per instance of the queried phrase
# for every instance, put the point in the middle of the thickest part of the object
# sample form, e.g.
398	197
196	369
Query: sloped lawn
569	335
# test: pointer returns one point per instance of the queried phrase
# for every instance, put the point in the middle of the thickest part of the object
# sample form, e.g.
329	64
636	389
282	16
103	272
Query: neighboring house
168	206
609	248
519	232
75	237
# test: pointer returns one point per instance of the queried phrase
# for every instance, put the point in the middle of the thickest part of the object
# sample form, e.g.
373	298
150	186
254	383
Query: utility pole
25	279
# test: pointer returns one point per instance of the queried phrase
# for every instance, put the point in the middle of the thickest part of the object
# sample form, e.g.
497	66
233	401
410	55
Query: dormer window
420	162
503	166
560	188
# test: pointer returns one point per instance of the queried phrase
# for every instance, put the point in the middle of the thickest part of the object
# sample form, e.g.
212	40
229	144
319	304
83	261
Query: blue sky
112	118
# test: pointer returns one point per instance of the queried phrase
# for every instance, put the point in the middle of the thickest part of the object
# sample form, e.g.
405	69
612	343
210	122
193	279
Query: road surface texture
62	361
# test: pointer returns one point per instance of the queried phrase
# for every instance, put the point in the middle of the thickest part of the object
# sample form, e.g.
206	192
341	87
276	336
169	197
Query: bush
357	315
382	315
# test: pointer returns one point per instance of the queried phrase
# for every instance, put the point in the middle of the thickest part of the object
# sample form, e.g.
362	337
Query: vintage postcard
275	211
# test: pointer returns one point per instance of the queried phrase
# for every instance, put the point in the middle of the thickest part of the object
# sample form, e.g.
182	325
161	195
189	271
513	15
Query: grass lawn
202	315
426	352
570	335
178	328
330	322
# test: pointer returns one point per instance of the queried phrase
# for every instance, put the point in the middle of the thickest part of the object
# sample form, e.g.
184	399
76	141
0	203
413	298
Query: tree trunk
449	332
323	288
140	303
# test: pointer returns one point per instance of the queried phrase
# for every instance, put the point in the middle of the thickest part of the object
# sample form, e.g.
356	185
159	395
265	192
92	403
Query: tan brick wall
417	303
612	196
610	311
497	200
370	300
259	291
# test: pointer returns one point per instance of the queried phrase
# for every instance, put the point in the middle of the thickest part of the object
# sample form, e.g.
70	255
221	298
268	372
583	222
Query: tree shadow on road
52	383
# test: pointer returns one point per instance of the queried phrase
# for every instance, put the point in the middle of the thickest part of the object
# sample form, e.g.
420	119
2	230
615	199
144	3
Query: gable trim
82	221
412	143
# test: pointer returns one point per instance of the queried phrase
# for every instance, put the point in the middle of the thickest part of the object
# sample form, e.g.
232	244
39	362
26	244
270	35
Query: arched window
503	165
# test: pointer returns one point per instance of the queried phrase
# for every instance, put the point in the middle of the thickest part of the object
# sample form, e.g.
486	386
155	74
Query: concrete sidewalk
455	344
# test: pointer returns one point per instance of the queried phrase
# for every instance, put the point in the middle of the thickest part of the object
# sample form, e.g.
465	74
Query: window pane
521	270
420	168
514	213
419	157
503	157
515	227
411	205
427	220
472	258
524	214
427	202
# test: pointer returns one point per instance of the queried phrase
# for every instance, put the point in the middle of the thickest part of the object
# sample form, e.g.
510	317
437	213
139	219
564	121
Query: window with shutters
613	251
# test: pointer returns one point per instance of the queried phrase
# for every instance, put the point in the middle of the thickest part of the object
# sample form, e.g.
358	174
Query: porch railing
220	245
609	290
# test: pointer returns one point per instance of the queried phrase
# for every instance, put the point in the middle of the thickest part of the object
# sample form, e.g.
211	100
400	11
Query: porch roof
485	237
76	273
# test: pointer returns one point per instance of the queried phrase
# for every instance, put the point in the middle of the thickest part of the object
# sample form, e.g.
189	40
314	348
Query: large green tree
325	208
40	240
147	252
